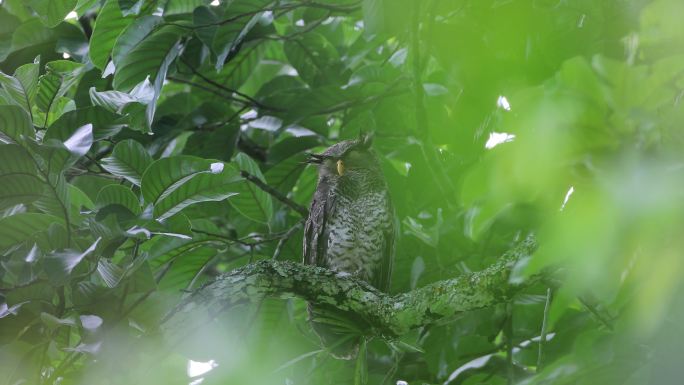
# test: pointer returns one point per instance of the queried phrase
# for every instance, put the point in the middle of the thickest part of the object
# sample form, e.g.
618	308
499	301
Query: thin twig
508	333
284	239
276	194
542	337
222	87
210	90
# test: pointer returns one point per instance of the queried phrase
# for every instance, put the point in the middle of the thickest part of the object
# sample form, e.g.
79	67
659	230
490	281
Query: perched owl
351	230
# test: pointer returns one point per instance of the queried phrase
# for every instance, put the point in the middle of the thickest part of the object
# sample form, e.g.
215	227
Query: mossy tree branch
388	315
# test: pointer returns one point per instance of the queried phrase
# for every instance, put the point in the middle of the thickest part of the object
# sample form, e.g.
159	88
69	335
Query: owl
350	230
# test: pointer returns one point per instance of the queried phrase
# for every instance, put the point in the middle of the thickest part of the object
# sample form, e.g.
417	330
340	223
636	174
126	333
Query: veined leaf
134	33
22	227
129	160
252	202
15	125
53	12
174	183
116	194
145	60
229	36
21	88
186	268
108	26
104	123
19	188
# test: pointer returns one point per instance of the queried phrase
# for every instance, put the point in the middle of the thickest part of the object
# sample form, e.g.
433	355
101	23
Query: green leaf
252	202
31	33
186	268
108	26
229	36
311	56
15	125
23	227
104	123
284	175
59	266
23	188
129	160
116	194
21	88
132	35
174	183
53	12
147	58
174	7
48	88
53	322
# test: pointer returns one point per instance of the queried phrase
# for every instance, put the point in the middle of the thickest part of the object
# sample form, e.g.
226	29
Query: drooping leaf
132	35
108	26
229	35
129	160
147	58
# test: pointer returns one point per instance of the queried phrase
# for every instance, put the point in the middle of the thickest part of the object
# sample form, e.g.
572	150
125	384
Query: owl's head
348	158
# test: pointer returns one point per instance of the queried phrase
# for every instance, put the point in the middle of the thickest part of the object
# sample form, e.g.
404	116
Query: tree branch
388	316
276	194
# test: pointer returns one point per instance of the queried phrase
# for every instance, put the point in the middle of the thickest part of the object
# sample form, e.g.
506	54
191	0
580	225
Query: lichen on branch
388	315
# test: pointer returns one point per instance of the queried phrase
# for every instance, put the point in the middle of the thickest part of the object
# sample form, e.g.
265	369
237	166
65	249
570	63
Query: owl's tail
340	332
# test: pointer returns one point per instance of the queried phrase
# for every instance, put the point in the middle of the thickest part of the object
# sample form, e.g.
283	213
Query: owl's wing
383	277
315	230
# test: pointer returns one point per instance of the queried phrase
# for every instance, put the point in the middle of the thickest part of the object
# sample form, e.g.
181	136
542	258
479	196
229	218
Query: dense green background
125	125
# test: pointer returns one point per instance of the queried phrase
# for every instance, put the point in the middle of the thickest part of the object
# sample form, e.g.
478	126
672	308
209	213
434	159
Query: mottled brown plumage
350	229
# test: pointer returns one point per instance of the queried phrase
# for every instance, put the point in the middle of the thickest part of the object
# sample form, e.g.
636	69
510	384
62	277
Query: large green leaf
116	194
109	24
22	227
252	202
21	88
31	33
186	268
174	183
312	56
147	58
150	60
132	35
129	160
105	123
228	36
15	189
48	89
15	125
61	75
53	12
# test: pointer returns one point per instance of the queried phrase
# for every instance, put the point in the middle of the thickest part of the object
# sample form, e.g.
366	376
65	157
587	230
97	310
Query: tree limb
387	315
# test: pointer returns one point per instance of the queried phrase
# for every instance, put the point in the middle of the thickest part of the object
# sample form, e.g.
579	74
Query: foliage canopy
127	130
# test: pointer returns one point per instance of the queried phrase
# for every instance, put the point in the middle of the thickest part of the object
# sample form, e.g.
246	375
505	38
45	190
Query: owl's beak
314	158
